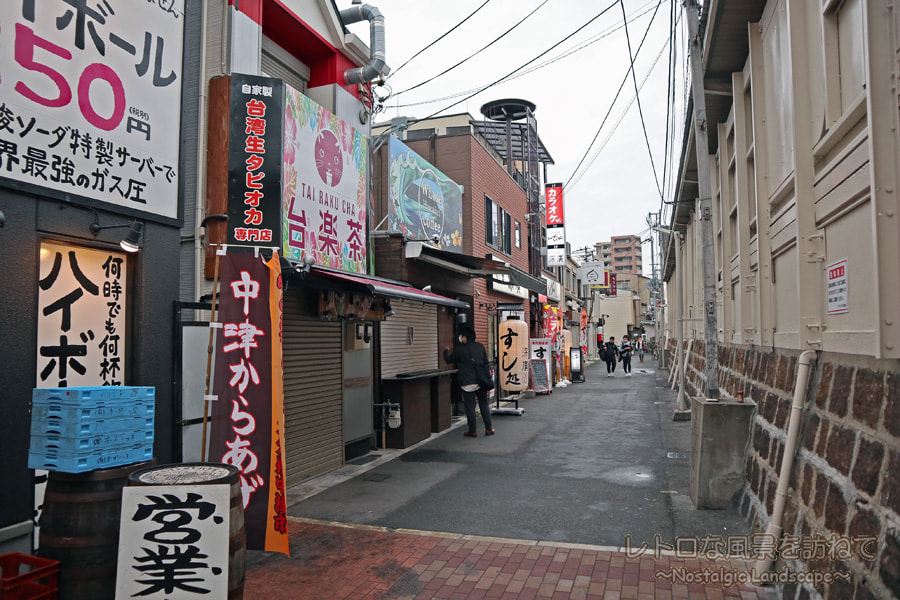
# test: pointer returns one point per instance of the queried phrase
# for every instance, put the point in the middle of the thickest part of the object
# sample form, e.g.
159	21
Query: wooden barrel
80	528
209	474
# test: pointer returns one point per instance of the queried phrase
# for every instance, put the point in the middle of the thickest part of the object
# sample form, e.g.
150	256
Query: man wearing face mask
465	355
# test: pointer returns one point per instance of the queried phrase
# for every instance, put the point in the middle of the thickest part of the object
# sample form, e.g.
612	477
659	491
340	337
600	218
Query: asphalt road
590	464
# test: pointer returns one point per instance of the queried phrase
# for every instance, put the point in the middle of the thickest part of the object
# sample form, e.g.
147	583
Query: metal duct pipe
367	12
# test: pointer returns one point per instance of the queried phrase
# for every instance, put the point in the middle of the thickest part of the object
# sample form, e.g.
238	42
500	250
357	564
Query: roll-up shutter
277	62
313	401
398	355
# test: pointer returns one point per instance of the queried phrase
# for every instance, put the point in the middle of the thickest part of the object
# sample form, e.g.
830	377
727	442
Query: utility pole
706	225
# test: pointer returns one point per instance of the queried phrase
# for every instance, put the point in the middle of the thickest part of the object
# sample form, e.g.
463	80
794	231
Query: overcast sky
615	188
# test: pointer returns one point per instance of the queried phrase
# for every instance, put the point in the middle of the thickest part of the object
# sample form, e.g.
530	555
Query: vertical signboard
82	300
837	287
556	228
245	423
92	99
254	160
514	353
423	203
81	317
173	542
324	186
540	357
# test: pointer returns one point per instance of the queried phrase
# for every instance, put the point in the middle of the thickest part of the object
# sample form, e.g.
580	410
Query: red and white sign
837	287
554	193
556	229
92	99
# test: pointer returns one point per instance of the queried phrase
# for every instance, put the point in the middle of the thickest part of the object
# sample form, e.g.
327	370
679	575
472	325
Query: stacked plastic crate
82	429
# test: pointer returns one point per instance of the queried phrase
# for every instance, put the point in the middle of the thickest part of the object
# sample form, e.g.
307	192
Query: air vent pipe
367	12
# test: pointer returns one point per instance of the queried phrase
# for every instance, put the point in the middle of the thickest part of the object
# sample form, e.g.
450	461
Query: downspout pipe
366	12
787	461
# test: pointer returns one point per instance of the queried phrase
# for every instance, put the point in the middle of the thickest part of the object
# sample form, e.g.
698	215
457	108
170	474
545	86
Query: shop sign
248	411
423	203
592	272
838	287
507	288
514	354
254	160
82	300
91	99
173	542
553	289
556	228
324	186
540	354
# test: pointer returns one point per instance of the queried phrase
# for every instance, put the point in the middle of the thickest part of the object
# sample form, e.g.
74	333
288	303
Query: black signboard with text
255	160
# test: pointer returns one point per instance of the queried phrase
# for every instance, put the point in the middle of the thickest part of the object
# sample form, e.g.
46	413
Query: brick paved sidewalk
332	561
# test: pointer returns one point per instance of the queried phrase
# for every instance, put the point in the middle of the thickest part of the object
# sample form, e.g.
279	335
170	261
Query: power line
505	77
574	179
480	50
564	54
618	92
472	14
638	98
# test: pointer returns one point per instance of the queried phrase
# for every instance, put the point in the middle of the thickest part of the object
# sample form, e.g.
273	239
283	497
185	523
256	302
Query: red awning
386	288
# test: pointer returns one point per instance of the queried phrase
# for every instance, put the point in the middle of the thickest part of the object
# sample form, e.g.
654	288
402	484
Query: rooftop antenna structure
513	109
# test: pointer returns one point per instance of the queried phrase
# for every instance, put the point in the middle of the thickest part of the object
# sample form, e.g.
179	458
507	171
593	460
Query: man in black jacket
611	353
465	355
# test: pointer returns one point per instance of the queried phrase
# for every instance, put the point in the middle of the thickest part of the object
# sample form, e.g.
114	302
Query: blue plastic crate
110	441
73	463
93	396
134	408
74	428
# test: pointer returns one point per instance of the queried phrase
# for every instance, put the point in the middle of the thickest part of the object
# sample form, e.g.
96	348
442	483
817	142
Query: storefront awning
474	266
385	288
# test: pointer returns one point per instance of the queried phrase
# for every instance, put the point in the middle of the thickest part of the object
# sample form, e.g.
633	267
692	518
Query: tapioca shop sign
294	176
90	99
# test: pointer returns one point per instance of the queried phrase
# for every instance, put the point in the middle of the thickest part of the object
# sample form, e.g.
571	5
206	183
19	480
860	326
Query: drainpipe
366	12
787	461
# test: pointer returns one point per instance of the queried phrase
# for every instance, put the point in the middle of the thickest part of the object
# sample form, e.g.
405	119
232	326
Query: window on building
497	227
844	55
518	234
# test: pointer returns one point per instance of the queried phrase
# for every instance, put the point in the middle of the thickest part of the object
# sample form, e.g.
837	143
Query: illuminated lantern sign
513	355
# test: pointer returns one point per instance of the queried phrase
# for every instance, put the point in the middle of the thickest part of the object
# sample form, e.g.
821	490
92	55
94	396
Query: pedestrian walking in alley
465	356
641	348
625	351
610	354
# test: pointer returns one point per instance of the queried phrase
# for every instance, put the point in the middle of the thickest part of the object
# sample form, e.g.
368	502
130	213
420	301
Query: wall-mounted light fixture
308	262
133	240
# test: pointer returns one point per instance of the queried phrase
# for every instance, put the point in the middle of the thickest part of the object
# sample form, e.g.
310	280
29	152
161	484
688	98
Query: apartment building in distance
622	254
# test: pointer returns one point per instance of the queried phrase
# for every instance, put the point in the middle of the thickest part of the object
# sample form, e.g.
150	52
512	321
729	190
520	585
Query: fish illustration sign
424	204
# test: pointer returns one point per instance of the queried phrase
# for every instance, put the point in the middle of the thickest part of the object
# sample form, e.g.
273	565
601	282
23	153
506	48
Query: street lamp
679	325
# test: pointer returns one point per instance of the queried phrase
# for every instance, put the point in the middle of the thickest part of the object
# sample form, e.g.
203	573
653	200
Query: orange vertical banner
277	531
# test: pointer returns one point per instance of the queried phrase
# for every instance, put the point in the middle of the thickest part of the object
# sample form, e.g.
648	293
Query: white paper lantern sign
513	354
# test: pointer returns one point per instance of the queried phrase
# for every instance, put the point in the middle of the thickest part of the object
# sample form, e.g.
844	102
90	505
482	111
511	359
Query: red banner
248	416
554	199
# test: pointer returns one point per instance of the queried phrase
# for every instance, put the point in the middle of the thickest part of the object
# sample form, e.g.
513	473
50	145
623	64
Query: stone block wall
843	507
